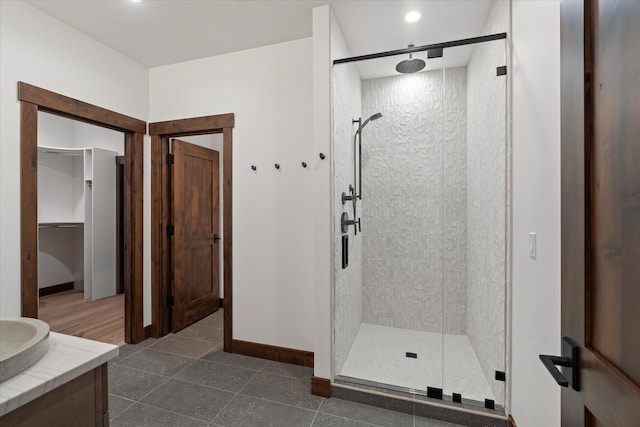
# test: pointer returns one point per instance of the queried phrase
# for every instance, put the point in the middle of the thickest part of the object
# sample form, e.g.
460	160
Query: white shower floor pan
378	355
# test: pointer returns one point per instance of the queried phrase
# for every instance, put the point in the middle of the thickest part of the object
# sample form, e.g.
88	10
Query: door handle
570	359
216	238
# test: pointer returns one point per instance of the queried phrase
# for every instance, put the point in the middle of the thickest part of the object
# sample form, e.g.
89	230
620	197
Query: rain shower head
410	65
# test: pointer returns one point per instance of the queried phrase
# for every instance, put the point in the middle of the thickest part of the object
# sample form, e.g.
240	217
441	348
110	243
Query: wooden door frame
573	145
33	99
161	133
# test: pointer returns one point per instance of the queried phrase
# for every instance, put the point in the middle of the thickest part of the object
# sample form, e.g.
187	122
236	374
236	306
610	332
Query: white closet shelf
61	150
60	224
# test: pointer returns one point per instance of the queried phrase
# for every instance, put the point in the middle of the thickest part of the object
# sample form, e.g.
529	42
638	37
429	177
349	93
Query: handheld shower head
357	147
375	116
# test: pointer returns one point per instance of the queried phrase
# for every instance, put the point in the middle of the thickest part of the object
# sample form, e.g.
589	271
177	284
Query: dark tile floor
185	379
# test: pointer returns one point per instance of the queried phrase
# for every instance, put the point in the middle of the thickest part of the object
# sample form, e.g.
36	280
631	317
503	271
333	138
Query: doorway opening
169	314
78	214
34	99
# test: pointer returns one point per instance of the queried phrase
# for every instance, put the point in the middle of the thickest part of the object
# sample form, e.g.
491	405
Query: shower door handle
570	359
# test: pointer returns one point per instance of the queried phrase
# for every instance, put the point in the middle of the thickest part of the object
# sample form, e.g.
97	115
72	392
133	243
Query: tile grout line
133	402
165	377
316	414
160	385
188	382
154	373
193	360
233	398
269	400
353	419
178	354
172	412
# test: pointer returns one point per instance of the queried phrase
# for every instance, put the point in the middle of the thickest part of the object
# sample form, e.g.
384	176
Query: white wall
40	50
322	188
270	91
535	399
87	136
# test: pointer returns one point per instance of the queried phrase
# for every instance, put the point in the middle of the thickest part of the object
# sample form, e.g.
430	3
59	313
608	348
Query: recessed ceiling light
135	1
412	16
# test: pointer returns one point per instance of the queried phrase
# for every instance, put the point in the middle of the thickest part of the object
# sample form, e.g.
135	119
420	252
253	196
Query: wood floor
69	313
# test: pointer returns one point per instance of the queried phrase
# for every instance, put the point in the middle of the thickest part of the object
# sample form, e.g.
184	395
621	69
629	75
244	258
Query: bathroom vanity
67	387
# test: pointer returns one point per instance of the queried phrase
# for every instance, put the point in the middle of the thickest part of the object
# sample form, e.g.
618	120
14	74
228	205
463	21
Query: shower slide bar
454	43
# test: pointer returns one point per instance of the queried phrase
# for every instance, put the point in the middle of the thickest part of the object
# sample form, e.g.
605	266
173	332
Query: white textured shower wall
414	202
486	200
348	282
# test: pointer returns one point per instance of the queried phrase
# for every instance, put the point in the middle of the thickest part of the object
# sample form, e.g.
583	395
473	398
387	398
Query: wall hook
253	167
322	156
277	166
304	164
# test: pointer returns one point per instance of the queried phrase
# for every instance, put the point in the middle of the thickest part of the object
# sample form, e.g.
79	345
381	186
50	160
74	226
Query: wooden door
601	208
195	246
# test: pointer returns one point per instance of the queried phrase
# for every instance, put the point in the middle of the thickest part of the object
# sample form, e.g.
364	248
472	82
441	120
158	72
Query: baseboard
147	332
271	352
512	422
221	303
320	387
55	289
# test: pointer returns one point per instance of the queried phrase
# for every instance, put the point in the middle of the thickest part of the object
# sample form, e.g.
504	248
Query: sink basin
23	341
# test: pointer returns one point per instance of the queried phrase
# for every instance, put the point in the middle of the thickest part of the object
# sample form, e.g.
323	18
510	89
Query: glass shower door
395	263
475	224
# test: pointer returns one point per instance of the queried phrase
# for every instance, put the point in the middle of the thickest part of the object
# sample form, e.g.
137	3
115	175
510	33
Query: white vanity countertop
68	358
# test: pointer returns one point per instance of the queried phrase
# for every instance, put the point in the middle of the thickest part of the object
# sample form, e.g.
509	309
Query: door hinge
170	301
501	71
170	159
170	230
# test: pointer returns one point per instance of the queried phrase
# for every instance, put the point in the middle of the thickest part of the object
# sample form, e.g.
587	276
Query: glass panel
389	311
475	222
420	304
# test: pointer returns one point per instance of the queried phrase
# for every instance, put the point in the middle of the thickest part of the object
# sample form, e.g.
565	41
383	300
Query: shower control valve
346	197
345	222
351	196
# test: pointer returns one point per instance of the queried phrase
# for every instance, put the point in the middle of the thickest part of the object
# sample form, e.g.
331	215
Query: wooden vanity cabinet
82	402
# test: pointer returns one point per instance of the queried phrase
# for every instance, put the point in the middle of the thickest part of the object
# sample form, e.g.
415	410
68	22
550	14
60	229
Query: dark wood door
601	208
195	245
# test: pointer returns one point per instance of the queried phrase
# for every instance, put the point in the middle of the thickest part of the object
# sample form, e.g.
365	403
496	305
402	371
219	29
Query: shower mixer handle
351	196
345	222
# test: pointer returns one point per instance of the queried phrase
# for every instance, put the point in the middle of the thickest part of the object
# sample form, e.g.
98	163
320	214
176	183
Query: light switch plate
532	245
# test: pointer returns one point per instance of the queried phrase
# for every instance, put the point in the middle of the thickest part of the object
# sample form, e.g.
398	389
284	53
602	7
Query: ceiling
161	32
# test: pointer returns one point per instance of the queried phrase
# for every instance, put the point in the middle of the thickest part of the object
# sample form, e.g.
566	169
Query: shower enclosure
419	304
